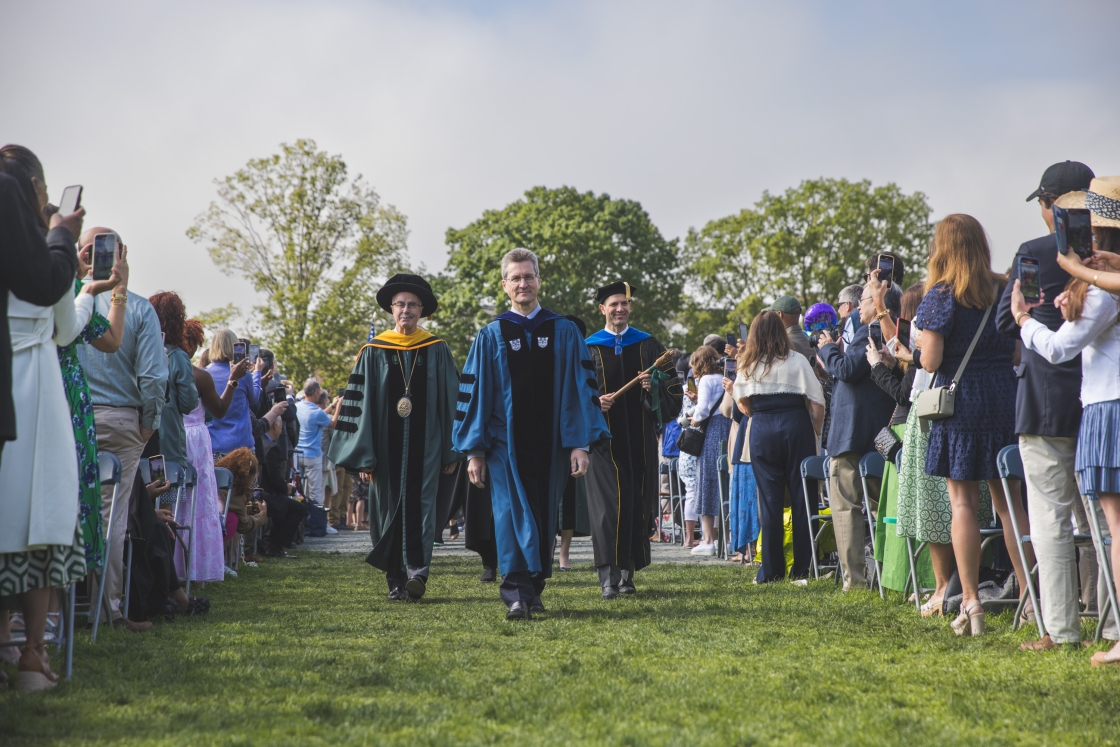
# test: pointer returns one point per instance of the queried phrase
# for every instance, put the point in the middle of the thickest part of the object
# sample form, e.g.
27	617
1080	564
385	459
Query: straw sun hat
1102	200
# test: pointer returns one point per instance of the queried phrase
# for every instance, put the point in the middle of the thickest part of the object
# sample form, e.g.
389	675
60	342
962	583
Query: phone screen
254	352
904	331
238	352
743	331
876	333
104	255
886	268
155	465
691	384
729	368
1073	230
71	198
1028	278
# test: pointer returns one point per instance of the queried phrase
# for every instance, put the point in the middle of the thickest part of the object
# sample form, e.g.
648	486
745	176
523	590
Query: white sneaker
231	572
331	530
703	549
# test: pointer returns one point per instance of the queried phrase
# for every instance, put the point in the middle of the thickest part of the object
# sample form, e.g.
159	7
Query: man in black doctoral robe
622	480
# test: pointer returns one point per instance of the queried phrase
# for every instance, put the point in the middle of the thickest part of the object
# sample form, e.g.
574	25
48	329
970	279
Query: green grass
311	652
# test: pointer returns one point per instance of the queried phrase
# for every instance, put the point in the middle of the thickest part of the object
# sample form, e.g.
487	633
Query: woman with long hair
232	429
776	388
961	294
709	385
1090	330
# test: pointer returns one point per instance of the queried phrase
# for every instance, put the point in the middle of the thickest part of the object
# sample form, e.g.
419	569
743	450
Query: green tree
583	241
315	243
809	242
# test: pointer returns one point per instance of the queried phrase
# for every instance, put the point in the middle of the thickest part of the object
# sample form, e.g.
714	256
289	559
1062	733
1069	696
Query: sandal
34	673
933	607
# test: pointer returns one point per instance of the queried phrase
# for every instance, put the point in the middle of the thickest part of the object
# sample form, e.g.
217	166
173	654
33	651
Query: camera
821	317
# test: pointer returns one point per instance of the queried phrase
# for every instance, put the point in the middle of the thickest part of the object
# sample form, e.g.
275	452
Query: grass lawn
311	652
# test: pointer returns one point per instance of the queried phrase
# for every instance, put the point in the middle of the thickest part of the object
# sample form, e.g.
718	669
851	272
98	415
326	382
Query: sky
452	108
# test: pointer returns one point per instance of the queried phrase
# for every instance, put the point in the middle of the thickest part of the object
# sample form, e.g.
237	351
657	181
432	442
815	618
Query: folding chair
223	479
186	491
872	464
816	468
110	468
1102	543
722	465
912	553
676	500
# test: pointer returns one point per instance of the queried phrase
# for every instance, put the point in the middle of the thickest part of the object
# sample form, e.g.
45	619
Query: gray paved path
358	543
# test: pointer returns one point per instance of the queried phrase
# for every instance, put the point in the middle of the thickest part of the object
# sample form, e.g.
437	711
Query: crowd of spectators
90	367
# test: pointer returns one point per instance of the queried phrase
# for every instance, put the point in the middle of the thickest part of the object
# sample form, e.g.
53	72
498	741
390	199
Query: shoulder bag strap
971	347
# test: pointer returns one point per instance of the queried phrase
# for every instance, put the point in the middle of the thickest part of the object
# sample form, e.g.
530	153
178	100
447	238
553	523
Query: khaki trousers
846	499
118	433
1053	501
341	501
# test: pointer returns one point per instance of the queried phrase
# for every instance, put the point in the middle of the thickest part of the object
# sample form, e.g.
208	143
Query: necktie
618	344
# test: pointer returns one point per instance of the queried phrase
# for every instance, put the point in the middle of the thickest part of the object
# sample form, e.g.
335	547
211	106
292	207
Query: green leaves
583	241
313	242
809	242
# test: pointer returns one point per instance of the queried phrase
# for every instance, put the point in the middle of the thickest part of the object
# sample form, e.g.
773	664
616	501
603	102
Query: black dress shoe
627	587
610	592
415	587
397	594
537	607
488	575
518	611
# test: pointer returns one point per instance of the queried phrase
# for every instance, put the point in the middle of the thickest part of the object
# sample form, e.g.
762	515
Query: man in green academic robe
395	424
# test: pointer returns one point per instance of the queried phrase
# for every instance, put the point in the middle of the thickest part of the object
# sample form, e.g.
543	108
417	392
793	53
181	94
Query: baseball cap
786	305
1067	176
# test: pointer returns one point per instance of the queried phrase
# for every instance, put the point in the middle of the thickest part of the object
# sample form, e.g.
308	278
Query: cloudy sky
451	108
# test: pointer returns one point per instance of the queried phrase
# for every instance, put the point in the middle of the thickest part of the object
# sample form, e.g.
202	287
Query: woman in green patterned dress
105	335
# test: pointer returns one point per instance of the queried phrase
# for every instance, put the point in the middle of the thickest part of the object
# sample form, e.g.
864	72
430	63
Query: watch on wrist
232	383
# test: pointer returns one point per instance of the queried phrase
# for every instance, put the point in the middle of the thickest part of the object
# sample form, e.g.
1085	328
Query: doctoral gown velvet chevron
526	399
622	483
404	454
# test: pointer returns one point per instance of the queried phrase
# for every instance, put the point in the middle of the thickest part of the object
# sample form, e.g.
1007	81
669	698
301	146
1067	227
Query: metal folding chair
722	465
676	500
1010	466
1103	546
912	553
223	479
872	464
816	468
110	468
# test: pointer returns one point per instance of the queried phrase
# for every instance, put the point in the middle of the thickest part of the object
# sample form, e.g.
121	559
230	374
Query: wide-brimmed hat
405	283
1102	201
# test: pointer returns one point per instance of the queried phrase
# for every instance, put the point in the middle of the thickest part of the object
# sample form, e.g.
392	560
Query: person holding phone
234	429
622	481
1088	331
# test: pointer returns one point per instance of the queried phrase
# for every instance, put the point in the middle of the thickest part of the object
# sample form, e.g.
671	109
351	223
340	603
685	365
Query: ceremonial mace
663	358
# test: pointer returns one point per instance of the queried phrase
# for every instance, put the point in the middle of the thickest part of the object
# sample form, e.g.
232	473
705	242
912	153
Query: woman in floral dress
105	335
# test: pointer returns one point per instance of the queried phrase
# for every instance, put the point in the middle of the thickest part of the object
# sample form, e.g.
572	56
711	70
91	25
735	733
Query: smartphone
886	268
257	494
238	352
691	385
104	255
743	331
1028	279
730	338
157	469
1073	230
71	199
904	332
876	334
729	368
341	391
279	395
254	352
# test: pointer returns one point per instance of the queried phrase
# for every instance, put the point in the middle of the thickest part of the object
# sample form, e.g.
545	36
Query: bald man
128	391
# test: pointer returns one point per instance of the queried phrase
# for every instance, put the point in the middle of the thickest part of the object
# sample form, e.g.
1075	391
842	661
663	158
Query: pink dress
208	561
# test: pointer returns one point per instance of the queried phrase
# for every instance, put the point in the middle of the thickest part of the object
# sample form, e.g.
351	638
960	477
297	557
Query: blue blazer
1048	401
859	408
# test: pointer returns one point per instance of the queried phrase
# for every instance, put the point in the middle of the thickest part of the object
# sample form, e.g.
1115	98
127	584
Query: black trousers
286	514
781	437
521	586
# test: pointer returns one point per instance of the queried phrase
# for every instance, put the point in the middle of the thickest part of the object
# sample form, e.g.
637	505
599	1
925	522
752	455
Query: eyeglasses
519	279
867	298
410	306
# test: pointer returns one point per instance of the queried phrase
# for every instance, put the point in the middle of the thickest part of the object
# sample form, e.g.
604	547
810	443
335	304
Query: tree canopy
315	243
809	242
583	241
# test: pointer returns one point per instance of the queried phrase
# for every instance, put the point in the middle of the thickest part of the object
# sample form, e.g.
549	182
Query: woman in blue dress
963	447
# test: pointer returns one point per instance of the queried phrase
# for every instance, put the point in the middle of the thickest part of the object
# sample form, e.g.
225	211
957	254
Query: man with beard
622	482
395	424
527	415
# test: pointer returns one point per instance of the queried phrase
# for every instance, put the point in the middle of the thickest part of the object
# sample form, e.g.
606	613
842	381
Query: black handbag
887	443
691	440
